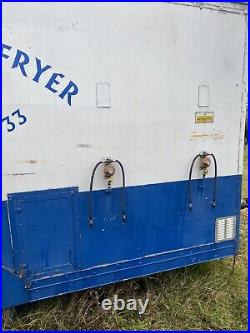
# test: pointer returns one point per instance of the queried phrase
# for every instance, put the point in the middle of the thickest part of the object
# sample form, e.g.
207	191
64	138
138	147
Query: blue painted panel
13	288
158	219
143	267
51	234
7	253
43	225
98	276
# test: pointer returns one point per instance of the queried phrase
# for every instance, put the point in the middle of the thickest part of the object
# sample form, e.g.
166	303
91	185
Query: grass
202	297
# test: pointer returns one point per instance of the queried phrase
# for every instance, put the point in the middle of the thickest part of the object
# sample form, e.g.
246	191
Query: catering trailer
123	137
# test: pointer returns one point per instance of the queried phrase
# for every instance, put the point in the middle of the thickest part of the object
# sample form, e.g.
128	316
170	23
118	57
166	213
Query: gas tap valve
108	171
205	163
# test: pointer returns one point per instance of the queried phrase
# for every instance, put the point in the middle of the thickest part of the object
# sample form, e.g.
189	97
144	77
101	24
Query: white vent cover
225	228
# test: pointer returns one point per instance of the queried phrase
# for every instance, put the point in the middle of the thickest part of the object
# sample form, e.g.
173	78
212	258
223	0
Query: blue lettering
40	70
7	47
11	121
21	63
53	80
70	90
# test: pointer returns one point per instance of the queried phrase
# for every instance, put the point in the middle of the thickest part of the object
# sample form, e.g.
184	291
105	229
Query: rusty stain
82	145
213	135
31	161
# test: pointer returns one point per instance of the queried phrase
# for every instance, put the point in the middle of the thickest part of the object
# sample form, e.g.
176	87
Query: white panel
146	52
103	98
203	95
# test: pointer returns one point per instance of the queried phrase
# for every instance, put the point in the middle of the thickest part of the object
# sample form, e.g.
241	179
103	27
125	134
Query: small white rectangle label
103	99
203	95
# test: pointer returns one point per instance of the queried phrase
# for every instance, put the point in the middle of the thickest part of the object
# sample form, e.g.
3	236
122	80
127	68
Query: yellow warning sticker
204	117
